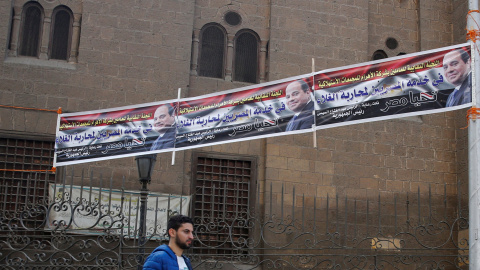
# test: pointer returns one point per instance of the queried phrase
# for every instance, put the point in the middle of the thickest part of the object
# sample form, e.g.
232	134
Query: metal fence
68	229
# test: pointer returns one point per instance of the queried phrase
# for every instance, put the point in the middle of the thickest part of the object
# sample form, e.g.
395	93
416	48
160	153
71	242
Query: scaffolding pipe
473	146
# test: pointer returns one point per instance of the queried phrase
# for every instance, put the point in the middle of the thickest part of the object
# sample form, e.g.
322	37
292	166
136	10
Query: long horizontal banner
415	84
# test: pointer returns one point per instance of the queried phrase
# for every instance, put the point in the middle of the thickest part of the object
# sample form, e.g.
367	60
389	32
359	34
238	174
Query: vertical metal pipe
136	225
28	188
27	191
54	192
129	225
379	215
346	218
355	222
281	207
395	207
122	198
303	213
408	211
337	213
142	227
212	205
202	209
430	204
99	204
315	214
110	197
445	201
271	198
81	188
293	204
181	203
91	186
156	216
237	200
71	188
63	184
474	148
257	201
419	206
366	228
326	218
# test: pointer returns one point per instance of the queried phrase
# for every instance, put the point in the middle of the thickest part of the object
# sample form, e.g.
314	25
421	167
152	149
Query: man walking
170	257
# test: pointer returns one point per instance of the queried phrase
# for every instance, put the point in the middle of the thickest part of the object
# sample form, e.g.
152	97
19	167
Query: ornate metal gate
283	230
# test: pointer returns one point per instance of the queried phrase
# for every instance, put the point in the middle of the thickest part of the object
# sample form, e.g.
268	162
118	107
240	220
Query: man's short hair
463	54
170	109
177	221
304	85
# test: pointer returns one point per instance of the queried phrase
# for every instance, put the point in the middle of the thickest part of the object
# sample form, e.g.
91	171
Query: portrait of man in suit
164	124
300	102
456	66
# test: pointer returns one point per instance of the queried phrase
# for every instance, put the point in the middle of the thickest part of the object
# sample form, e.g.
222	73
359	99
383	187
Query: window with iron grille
224	189
23	194
61	28
212	52
37	27
246	57
32	26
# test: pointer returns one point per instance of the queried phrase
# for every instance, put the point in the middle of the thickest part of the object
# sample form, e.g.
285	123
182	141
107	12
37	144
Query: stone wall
138	52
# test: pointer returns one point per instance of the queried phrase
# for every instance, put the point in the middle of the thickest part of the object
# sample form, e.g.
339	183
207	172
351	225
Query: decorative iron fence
87	227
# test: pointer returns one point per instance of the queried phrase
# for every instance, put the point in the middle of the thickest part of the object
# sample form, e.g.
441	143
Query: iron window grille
224	197
31	29
61	33
246	58
24	193
212	52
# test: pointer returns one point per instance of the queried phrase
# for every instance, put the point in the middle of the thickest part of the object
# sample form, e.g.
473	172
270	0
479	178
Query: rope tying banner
473	35
59	111
472	113
53	170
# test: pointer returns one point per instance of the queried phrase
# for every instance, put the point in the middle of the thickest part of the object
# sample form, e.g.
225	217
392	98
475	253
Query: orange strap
472	113
53	169
59	111
473	35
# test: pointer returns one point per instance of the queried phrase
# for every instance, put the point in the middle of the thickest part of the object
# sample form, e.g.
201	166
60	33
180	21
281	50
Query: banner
254	112
92	210
120	132
421	83
412	85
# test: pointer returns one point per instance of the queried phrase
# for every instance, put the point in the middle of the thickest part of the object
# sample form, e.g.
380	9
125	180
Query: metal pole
142	228
474	149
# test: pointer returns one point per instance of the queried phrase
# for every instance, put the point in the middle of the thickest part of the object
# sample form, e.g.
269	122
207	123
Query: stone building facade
131	52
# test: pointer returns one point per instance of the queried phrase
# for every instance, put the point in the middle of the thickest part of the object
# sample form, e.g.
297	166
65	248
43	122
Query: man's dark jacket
304	119
163	258
166	141
463	94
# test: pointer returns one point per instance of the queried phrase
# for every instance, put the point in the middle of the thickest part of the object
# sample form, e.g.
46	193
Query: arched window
212	51
61	33
246	58
32	18
380	54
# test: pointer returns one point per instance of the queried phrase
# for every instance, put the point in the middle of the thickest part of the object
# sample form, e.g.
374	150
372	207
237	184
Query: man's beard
181	245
